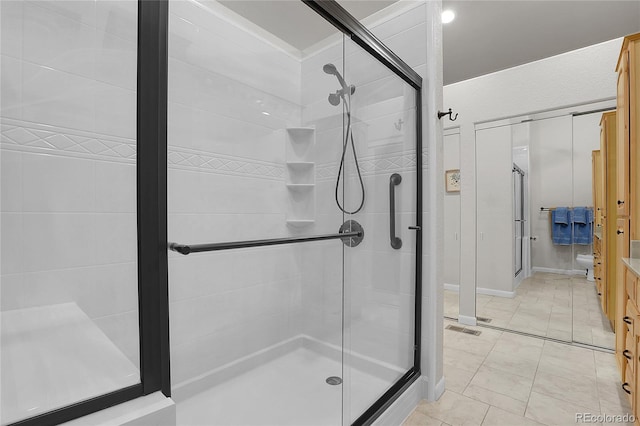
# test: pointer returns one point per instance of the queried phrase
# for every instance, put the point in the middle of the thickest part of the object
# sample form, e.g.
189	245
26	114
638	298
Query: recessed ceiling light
448	16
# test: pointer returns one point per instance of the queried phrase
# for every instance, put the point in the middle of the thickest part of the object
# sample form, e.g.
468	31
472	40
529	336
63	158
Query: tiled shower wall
231	95
68	111
227	176
68	183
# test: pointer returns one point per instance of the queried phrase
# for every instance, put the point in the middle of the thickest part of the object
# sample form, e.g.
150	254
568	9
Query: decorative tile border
31	137
180	158
24	136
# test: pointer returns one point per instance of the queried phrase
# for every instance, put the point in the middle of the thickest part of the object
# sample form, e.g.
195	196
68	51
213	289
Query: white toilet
585	261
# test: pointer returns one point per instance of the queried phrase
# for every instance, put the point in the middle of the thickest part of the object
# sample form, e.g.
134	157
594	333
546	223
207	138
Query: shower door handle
394	180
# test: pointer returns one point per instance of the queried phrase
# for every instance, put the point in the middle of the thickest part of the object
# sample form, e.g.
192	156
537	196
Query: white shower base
288	390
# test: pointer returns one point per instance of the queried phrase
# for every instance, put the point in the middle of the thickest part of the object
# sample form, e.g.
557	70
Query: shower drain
334	380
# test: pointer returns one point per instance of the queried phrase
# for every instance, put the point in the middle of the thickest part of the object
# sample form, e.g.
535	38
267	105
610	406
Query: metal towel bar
196	248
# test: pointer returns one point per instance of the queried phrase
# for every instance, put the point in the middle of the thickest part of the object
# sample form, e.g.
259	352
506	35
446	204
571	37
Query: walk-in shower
170	205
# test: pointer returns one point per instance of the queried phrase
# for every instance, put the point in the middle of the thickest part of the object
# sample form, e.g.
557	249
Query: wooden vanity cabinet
627	325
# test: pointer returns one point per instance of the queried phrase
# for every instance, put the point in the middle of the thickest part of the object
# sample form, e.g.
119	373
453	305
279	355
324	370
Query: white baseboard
402	407
438	390
434	393
463	319
558	271
452	287
499	293
480	290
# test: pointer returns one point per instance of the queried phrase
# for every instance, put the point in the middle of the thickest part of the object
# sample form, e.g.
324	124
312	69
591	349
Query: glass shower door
379	290
254	140
277	148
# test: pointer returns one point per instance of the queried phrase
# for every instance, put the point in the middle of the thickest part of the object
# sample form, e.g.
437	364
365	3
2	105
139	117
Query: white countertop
53	356
632	264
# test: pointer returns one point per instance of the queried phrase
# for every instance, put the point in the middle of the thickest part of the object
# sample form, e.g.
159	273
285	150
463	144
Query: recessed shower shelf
300	142
301	175
301	129
300	186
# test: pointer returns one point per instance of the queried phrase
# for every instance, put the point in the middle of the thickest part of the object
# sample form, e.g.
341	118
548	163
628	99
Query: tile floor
558	306
503	378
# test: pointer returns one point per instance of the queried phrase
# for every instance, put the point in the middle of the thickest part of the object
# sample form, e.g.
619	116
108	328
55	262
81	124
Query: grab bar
394	180
196	248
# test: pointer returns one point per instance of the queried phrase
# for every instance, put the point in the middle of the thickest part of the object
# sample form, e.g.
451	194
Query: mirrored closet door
535	239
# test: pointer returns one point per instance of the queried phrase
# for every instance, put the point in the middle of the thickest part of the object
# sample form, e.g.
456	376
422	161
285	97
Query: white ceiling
296	23
485	37
489	36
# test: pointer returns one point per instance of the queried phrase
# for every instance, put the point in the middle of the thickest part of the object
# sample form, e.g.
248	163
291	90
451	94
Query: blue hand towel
561	215
583	225
561	226
580	215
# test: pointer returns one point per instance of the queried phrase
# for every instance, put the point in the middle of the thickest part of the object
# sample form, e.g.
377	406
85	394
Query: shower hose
349	137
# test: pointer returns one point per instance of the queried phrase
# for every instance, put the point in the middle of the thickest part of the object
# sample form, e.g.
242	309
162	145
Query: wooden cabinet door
622	151
632	122
597	186
622	249
622	300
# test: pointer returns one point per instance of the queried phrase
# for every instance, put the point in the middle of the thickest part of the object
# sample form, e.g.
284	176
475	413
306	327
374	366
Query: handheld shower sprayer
334	99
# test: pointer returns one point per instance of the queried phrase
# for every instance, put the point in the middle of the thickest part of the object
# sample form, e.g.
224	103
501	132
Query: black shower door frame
151	165
351	27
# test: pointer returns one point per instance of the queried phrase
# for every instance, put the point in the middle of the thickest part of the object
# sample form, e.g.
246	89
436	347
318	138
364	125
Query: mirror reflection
523	239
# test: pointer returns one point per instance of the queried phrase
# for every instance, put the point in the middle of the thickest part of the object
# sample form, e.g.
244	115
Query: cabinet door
622	300
629	385
597	185
623	322
632	118
622	249
634	395
622	150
